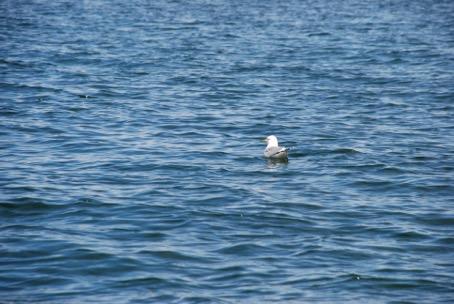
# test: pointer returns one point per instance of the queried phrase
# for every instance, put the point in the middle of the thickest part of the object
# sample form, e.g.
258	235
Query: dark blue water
131	166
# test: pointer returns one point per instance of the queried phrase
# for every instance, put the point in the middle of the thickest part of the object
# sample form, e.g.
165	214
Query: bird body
273	150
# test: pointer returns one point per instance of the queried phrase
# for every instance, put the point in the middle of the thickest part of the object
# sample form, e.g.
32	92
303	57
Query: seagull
273	150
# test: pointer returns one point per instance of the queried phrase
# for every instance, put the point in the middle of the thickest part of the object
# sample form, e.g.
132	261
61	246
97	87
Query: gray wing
276	152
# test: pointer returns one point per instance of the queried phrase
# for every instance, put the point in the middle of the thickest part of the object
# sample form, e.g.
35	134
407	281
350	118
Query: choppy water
131	166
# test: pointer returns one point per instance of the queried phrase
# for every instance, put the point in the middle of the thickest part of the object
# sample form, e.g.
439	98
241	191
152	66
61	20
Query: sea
131	151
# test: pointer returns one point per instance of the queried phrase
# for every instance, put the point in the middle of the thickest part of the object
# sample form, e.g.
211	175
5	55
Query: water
131	166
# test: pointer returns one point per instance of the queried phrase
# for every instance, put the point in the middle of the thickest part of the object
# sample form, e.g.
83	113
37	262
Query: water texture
131	166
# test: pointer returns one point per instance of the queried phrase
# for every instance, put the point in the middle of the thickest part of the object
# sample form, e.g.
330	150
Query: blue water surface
131	166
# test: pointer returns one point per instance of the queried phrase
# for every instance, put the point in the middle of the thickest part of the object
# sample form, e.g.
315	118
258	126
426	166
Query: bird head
271	141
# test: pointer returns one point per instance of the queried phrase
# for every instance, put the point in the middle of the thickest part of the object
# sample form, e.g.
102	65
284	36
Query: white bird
273	150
